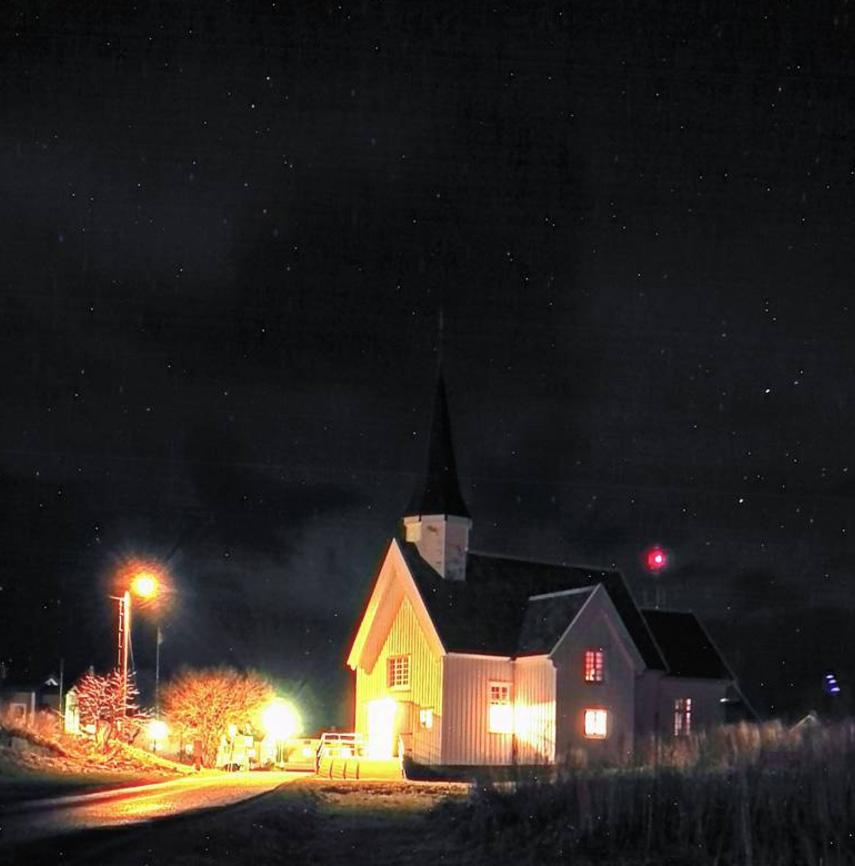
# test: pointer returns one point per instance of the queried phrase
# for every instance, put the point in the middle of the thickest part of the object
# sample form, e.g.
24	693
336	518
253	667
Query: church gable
394	586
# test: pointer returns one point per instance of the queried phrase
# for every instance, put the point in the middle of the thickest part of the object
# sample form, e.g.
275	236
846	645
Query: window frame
392	679
595	712
598	672
505	688
426	718
683	717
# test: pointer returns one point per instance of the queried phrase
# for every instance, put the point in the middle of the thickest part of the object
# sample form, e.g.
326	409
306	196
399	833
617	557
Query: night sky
227	230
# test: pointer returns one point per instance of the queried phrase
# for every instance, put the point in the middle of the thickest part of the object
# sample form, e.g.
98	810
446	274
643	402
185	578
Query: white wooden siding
598	626
466	738
534	710
405	637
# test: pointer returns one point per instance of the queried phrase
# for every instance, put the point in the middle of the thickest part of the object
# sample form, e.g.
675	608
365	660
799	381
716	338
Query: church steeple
439	492
437	520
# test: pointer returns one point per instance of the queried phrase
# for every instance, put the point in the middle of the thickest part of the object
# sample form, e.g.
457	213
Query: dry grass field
745	796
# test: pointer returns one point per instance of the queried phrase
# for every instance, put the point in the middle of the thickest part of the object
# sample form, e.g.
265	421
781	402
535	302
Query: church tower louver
437	520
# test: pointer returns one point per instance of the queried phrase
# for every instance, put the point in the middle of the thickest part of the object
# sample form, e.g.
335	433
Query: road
129	806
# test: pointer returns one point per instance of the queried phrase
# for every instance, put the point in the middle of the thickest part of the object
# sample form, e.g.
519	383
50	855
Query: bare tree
105	704
203	704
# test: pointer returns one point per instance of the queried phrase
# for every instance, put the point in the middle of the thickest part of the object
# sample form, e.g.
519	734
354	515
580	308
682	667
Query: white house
467	659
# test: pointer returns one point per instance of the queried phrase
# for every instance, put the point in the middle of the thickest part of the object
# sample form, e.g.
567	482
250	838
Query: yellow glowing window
682	717
594	665
596	724
426	717
398	672
501	713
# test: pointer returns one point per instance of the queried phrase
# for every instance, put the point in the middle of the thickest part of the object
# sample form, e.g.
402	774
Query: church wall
405	637
647	704
466	738
595	629
534	710
706	695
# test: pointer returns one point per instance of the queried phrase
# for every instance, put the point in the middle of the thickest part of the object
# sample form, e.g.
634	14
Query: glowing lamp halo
158	730
280	720
655	558
144	584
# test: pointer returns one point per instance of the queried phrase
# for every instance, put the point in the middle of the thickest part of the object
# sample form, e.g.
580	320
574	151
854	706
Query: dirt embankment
42	763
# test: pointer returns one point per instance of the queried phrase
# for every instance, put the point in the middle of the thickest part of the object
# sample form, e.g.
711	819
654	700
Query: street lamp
143	582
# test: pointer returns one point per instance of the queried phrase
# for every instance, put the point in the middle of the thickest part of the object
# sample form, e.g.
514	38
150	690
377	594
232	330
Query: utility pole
124	645
157	674
61	711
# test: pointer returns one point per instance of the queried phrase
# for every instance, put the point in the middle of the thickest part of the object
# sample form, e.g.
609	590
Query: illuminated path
128	806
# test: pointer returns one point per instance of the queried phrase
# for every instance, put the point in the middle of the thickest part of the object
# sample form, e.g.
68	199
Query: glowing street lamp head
144	584
280	720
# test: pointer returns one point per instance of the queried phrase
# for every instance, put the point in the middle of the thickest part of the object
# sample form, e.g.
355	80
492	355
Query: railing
339	745
342	756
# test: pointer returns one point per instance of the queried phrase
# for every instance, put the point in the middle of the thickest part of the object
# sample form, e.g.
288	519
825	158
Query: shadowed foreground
751	796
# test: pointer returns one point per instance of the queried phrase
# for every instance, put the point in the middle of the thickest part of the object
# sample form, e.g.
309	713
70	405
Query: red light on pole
655	559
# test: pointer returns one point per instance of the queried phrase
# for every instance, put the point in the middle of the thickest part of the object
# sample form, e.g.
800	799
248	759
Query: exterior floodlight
280	720
158	730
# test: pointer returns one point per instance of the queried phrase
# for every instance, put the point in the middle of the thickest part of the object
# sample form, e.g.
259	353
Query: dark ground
310	822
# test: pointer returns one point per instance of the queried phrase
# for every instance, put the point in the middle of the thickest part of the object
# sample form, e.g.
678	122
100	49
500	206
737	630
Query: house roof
687	648
547	617
439	492
486	612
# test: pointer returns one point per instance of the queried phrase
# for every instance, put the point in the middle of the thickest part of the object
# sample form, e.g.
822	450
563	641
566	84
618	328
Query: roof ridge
646	610
570	567
579	589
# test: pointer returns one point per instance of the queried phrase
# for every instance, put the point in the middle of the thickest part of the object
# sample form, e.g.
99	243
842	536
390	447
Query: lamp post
144	584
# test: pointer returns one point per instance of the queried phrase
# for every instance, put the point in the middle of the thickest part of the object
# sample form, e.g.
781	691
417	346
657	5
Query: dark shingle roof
485	613
439	492
547	618
687	647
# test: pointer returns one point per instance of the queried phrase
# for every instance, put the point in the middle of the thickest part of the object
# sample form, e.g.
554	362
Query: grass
37	760
749	795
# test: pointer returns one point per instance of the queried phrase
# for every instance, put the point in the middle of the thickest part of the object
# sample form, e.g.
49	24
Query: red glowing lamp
655	558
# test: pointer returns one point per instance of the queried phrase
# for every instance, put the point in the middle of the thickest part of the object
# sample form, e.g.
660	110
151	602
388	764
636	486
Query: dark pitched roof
485	612
547	618
439	492
687	647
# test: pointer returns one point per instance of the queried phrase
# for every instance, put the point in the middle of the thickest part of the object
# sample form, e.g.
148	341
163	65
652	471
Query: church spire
437	520
439	492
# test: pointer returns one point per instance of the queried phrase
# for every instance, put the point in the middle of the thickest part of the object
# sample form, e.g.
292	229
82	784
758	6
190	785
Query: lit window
426	717
596	724
682	717
398	672
594	660
501	713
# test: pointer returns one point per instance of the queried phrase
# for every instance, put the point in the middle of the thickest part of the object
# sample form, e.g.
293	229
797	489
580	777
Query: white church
469	659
